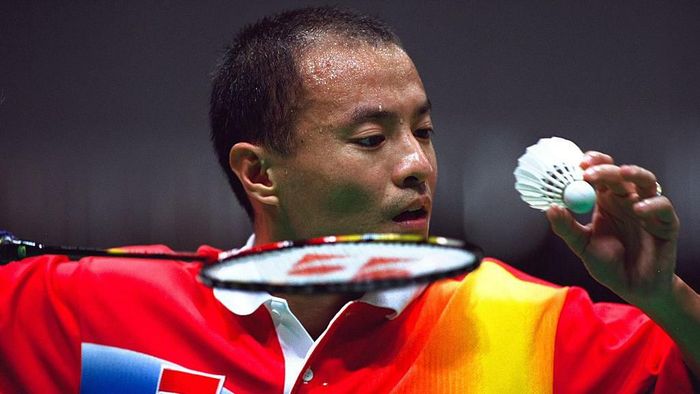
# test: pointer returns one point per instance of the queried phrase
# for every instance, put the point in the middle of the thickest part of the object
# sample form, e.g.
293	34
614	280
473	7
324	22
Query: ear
248	162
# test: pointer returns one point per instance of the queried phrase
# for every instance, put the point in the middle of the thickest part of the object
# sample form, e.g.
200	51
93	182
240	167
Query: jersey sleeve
613	348
39	340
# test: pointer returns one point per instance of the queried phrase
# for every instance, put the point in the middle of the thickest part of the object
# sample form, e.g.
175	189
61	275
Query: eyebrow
372	113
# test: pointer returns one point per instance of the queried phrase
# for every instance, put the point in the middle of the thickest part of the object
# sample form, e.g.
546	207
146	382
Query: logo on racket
379	267
384	268
316	264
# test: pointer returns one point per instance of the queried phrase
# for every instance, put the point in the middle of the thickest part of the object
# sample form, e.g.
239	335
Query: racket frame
342	286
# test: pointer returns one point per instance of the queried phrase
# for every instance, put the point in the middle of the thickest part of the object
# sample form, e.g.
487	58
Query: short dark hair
257	88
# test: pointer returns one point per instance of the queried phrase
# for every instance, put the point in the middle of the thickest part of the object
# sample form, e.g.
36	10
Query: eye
423	134
371	141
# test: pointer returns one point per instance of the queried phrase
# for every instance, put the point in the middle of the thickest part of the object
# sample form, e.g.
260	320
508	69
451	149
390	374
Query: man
323	125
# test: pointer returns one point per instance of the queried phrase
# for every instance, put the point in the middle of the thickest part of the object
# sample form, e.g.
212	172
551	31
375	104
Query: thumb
567	228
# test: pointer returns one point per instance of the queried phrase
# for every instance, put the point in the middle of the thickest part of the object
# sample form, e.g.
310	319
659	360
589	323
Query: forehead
329	59
341	67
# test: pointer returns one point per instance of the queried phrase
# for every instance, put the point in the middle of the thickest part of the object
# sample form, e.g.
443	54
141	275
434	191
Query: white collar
244	303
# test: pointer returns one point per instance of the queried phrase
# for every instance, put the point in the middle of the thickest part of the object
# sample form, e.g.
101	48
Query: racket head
342	264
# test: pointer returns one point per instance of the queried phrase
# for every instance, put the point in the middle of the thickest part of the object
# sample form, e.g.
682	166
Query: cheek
343	187
324	191
432	158
348	198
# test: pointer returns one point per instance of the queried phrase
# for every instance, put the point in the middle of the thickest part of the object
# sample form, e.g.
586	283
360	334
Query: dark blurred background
104	130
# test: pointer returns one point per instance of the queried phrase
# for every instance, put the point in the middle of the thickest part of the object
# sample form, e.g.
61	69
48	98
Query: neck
315	312
262	231
268	227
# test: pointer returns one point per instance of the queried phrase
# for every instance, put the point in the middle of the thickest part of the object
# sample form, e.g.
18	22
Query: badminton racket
332	264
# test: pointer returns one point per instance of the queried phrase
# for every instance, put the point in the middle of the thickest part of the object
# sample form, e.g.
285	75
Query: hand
630	244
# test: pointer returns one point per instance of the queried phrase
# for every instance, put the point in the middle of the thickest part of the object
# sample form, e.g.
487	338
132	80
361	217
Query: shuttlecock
549	173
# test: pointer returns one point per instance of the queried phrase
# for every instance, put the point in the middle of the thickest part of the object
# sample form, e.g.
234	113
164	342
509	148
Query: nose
415	165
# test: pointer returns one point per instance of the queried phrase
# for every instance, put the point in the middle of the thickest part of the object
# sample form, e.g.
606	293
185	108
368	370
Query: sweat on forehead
333	58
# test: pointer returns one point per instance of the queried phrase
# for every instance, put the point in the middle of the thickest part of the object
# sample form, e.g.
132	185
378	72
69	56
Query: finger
644	180
567	228
608	176
658	217
593	158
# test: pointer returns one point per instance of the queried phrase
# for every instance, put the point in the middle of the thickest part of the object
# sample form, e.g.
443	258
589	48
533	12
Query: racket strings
333	267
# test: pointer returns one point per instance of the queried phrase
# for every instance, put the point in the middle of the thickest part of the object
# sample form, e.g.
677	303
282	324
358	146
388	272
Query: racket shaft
15	249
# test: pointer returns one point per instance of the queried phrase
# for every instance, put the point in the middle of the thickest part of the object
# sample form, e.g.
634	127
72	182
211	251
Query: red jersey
137	326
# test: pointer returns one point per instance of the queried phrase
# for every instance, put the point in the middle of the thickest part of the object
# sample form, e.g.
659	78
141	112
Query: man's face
364	160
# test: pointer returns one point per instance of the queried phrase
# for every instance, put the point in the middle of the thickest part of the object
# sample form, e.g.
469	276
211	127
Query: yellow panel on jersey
490	333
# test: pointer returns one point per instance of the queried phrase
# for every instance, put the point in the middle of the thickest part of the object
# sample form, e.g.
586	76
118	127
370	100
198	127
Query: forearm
679	315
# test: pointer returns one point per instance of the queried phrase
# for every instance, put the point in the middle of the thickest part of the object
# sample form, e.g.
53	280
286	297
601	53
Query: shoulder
50	272
114	273
496	281
496	291
126	288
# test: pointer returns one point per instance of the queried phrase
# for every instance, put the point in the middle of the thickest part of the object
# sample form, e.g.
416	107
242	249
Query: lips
416	214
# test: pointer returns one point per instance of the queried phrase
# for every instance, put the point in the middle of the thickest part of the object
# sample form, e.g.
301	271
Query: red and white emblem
364	268
186	381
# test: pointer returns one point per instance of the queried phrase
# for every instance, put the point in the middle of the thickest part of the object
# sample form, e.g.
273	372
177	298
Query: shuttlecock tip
579	197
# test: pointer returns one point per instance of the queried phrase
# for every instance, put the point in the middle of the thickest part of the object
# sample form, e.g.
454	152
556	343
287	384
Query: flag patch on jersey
108	369
186	381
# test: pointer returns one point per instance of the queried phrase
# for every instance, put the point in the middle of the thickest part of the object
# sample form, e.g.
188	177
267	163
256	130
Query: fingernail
639	207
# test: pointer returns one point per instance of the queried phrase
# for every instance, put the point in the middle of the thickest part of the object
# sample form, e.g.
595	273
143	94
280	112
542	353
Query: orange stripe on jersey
489	333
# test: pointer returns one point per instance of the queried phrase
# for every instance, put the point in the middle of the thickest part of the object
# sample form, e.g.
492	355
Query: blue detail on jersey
108	369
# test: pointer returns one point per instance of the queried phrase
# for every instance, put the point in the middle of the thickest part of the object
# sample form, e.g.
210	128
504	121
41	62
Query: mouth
410	215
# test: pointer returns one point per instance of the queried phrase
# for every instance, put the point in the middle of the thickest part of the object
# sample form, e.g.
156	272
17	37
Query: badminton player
322	124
